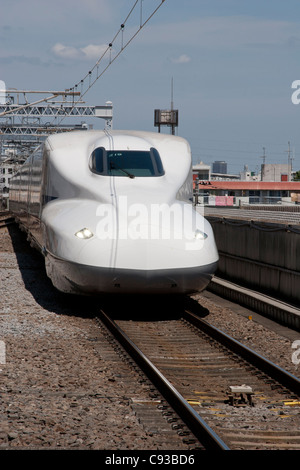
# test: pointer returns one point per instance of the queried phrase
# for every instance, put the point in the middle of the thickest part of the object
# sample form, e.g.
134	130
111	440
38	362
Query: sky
232	63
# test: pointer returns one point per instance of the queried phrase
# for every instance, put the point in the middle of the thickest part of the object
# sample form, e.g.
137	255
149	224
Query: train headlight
200	235
84	233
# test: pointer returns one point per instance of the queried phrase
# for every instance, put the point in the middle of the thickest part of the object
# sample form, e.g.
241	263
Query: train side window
158	162
97	160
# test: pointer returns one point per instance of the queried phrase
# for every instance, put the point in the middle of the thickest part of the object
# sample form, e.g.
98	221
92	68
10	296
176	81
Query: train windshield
127	163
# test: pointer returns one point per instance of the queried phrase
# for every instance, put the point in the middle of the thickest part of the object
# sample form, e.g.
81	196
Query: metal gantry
25	124
36	119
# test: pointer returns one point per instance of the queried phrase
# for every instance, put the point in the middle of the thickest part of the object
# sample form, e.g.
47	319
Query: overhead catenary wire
90	78
108	50
88	75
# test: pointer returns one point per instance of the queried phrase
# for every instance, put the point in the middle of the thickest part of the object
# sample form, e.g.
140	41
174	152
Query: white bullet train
112	212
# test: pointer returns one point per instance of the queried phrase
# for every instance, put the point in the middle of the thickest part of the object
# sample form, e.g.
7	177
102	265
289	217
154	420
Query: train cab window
97	160
130	163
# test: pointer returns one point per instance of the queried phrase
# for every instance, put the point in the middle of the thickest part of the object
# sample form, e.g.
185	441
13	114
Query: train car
112	212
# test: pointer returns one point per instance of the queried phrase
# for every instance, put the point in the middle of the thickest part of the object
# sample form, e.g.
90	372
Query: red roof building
259	191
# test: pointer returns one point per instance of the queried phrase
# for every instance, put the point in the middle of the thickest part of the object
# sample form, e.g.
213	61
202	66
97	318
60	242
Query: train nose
152	237
143	265
133	252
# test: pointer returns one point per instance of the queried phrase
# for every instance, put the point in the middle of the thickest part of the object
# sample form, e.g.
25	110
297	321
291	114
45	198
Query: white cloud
66	52
92	51
182	59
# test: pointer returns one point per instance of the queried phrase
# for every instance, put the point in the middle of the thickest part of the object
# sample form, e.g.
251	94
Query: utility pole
290	158
263	165
172	107
167	117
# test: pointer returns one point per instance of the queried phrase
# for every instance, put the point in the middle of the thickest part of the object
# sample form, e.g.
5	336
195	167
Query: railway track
200	375
226	394
6	219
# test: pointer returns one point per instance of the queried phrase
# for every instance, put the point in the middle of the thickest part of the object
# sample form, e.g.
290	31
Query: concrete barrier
263	256
276	310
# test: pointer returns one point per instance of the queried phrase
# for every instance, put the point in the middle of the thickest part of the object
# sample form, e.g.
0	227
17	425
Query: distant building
6	172
219	167
273	185
9	164
276	172
235	193
247	175
202	171
224	176
7	169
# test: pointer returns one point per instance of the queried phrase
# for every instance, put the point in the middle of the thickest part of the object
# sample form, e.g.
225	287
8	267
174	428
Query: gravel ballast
61	385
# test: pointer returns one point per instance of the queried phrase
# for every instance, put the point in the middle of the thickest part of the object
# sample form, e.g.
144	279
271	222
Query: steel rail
277	373
6	221
195	423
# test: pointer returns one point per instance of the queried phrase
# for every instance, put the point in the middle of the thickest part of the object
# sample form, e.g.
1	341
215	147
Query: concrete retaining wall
264	256
274	309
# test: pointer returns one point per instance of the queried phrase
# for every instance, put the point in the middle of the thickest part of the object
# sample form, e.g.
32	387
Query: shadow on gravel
152	308
32	268
130	307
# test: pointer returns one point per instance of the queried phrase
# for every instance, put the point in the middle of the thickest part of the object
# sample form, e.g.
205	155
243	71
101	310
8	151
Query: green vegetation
297	176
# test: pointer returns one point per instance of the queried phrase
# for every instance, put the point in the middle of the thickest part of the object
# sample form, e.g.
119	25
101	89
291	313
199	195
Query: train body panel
111	212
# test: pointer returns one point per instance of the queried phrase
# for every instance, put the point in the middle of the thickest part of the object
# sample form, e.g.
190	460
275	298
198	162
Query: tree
296	176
